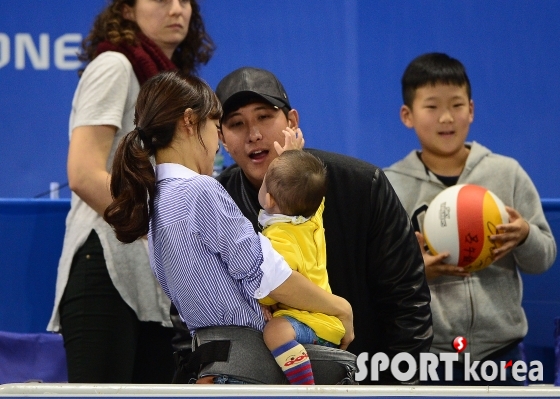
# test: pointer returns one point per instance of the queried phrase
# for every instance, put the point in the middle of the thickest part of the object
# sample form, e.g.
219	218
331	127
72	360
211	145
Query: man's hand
510	235
293	140
434	264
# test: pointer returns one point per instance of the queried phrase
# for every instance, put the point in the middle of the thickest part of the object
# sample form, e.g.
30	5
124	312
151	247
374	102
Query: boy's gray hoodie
485	308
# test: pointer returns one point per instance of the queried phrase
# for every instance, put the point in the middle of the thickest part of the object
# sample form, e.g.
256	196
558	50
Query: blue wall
340	61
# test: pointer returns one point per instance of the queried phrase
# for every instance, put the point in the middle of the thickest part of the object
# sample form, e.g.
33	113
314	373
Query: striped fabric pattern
294	362
203	251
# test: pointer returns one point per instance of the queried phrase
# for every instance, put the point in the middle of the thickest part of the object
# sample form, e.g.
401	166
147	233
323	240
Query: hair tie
141	133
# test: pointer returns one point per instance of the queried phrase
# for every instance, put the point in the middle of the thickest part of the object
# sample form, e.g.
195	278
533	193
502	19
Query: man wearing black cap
373	257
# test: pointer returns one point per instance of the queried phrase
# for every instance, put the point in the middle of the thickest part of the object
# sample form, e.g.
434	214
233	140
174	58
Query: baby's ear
269	202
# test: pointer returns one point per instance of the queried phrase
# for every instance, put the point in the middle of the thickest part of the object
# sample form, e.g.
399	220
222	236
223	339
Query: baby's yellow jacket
304	248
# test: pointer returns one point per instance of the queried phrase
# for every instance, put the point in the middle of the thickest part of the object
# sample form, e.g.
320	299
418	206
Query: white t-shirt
106	95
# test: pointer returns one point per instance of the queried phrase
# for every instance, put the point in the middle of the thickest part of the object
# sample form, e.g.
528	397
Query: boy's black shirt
373	256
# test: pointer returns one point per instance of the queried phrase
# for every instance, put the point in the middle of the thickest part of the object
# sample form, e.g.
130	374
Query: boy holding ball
485	306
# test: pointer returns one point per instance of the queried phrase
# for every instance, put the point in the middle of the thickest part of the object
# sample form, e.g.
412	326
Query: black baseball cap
247	82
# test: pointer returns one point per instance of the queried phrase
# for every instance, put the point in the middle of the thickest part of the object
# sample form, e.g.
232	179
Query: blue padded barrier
31	234
541	301
557	351
32	357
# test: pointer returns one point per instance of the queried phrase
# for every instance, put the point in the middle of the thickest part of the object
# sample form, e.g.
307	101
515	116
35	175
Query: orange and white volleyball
460	220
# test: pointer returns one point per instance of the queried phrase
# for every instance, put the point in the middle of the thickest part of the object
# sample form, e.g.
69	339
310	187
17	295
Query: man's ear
128	13
406	116
293	119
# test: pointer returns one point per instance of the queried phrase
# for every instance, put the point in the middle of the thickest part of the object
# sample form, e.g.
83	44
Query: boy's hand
510	235
293	140
434	264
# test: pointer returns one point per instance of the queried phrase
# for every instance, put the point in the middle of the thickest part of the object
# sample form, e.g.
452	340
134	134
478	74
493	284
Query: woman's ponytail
132	187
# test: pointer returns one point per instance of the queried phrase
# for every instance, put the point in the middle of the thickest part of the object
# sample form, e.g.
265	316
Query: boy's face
249	133
441	116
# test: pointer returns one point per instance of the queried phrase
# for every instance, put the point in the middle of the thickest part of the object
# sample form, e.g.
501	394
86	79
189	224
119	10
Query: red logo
460	344
296	359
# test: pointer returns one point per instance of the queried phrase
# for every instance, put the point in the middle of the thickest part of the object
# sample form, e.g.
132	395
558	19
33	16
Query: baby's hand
293	140
266	312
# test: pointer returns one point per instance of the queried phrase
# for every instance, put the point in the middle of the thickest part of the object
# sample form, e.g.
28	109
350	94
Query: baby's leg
277	332
291	356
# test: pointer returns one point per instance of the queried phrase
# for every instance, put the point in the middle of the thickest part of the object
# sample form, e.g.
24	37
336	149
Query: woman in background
110	309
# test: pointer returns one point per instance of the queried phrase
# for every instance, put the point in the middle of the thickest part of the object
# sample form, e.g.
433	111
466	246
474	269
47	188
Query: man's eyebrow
229	116
265	106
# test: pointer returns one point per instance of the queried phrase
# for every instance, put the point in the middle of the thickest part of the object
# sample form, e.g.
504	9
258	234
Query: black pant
104	340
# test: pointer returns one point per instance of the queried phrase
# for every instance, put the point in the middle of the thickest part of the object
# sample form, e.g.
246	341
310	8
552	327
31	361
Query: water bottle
54	189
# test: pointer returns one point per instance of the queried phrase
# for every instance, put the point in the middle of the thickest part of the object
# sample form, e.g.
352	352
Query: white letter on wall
39	59
61	51
4	49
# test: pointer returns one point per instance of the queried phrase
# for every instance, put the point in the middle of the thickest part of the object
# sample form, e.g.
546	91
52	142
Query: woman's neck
178	156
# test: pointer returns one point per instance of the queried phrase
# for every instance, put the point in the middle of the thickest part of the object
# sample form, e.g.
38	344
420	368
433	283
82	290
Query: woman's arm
226	231
89	150
300	293
99	105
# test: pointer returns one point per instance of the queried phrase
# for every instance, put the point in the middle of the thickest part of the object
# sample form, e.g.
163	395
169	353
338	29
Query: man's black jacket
373	256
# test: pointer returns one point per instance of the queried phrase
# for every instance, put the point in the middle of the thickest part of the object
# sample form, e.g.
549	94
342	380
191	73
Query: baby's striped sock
292	358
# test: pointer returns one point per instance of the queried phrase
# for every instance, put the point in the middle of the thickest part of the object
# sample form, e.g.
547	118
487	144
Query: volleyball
460	220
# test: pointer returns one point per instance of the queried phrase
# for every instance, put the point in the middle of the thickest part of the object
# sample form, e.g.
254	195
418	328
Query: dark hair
110	25
430	69
297	180
161	104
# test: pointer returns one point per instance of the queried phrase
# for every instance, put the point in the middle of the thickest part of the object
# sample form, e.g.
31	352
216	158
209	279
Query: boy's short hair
297	180
431	69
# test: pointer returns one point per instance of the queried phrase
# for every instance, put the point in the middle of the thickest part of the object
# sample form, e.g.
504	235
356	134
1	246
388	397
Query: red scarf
146	57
